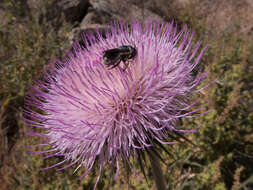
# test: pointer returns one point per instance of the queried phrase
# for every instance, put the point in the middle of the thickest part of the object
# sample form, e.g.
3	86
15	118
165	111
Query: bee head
106	61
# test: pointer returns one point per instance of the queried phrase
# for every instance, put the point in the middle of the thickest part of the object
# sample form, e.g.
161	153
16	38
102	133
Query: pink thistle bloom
92	114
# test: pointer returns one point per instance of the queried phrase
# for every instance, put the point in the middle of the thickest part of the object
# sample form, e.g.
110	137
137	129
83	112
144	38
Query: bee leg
115	65
126	64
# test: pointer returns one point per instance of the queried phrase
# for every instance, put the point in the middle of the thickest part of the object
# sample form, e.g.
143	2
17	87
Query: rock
229	16
95	19
102	12
123	10
73	10
219	16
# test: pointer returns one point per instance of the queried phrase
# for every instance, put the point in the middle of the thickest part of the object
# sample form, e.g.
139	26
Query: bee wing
112	54
111	51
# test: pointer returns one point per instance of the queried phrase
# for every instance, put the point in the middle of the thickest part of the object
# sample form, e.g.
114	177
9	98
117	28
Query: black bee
113	57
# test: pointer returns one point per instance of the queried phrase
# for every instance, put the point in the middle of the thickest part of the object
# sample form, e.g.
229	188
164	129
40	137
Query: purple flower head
92	114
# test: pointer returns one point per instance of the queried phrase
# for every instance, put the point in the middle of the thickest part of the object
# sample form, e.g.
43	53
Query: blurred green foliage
222	158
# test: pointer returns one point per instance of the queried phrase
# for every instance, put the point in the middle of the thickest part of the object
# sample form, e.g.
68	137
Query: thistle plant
94	116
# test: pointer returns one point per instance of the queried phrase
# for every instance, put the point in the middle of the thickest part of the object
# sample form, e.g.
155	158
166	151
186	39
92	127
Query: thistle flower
91	114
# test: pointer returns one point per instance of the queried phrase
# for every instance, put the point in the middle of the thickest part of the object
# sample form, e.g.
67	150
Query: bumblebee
113	57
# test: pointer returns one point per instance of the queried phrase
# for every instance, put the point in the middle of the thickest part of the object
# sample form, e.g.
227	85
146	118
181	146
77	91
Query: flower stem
157	171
